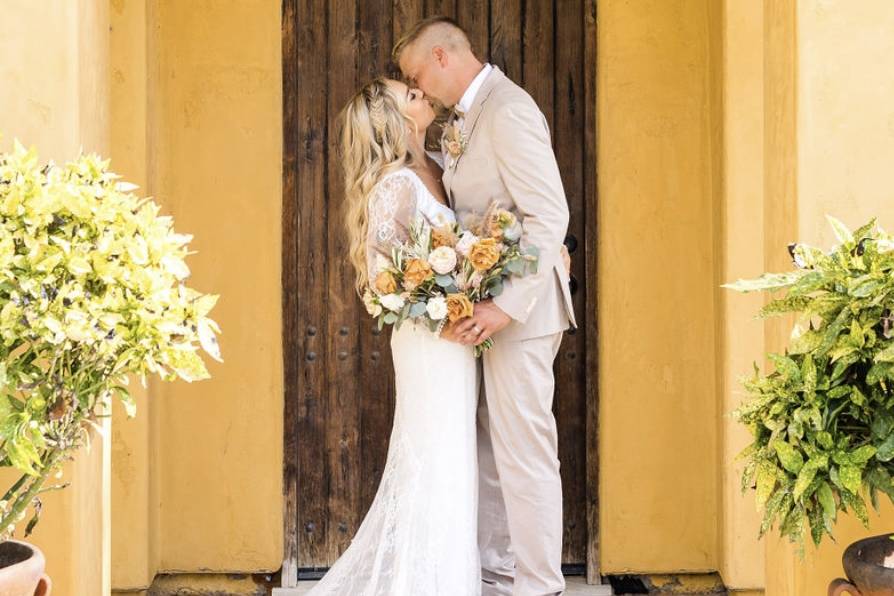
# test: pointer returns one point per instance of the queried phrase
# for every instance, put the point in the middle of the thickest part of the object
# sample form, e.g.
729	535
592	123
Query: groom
501	152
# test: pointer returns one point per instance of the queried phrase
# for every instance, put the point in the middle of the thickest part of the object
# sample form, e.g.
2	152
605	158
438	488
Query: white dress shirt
468	98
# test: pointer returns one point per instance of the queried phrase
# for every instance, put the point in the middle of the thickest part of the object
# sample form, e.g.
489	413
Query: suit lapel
470	120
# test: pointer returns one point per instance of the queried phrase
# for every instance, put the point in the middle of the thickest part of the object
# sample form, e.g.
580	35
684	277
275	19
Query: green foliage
92	291
822	420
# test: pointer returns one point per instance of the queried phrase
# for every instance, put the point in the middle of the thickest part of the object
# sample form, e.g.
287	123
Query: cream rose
513	233
370	304
436	308
466	241
392	302
442	260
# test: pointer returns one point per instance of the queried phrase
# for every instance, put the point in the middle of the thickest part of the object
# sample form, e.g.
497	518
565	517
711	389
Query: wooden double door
338	377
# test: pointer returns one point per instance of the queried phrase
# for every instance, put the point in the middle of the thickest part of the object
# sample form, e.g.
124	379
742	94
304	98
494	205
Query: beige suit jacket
509	160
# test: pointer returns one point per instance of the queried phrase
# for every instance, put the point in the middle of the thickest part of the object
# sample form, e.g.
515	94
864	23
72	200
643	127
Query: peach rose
385	283
459	307
454	148
484	254
416	272
442	237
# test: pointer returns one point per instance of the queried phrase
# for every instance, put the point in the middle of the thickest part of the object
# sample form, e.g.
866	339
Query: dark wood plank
376	382
474	17
342	333
291	347
443	8
406	14
311	267
505	37
590	279
538	57
570	400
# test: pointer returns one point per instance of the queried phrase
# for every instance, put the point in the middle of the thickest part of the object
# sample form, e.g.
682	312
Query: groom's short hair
449	33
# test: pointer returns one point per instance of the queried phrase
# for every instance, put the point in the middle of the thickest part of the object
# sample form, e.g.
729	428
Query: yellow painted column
215	164
741	335
196	110
658	154
54	63
135	502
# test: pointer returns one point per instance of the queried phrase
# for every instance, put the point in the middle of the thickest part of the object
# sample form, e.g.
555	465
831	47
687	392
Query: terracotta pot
863	565
22	570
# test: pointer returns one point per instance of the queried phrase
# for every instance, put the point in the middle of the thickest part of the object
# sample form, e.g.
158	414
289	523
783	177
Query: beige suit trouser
520	490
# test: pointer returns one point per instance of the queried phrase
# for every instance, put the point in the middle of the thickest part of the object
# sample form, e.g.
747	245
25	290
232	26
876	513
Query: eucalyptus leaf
417	309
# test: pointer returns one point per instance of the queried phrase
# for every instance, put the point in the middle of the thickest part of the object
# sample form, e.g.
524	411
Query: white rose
464	245
513	233
392	302
437	308
442	260
370	304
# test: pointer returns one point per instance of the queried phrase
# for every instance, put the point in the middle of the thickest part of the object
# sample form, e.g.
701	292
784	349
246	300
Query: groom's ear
440	55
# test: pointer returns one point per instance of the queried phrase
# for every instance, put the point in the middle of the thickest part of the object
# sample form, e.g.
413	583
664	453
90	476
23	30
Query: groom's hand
487	320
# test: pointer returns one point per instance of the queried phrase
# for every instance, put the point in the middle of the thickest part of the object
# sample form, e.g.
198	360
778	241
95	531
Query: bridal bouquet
440	273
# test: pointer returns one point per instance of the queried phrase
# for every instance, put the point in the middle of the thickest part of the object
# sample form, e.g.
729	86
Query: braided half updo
374	143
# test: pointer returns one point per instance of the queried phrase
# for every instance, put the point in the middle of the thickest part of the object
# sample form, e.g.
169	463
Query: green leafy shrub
823	420
92	291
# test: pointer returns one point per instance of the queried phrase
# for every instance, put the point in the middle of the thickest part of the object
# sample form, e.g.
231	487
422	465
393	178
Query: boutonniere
453	141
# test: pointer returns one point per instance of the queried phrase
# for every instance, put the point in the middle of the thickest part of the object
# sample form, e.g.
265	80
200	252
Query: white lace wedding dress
419	537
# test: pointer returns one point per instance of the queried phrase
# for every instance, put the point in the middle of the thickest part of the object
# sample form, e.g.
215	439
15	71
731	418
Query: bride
420	534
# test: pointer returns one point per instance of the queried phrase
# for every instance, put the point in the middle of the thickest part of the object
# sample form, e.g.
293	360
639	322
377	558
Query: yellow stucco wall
844	147
54	95
725	130
197	115
658	146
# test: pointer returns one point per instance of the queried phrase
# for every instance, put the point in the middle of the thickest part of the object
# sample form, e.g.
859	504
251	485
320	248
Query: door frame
291	295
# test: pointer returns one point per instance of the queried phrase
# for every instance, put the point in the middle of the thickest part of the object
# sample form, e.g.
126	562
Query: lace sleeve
392	209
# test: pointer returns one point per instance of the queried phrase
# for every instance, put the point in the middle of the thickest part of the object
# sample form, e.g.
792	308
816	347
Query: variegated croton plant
823	420
92	292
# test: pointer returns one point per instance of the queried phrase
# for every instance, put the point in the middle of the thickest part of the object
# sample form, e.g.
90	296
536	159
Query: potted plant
823	420
92	292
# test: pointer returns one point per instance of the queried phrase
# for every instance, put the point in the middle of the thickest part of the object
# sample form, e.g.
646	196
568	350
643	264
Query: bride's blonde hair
374	143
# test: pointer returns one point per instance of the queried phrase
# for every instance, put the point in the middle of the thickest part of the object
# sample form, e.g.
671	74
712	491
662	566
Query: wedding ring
477	329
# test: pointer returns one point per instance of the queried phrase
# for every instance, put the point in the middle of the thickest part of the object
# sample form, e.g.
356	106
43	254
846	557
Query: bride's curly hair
374	143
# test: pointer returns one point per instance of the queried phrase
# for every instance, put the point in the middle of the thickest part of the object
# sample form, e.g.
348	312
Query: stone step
576	586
